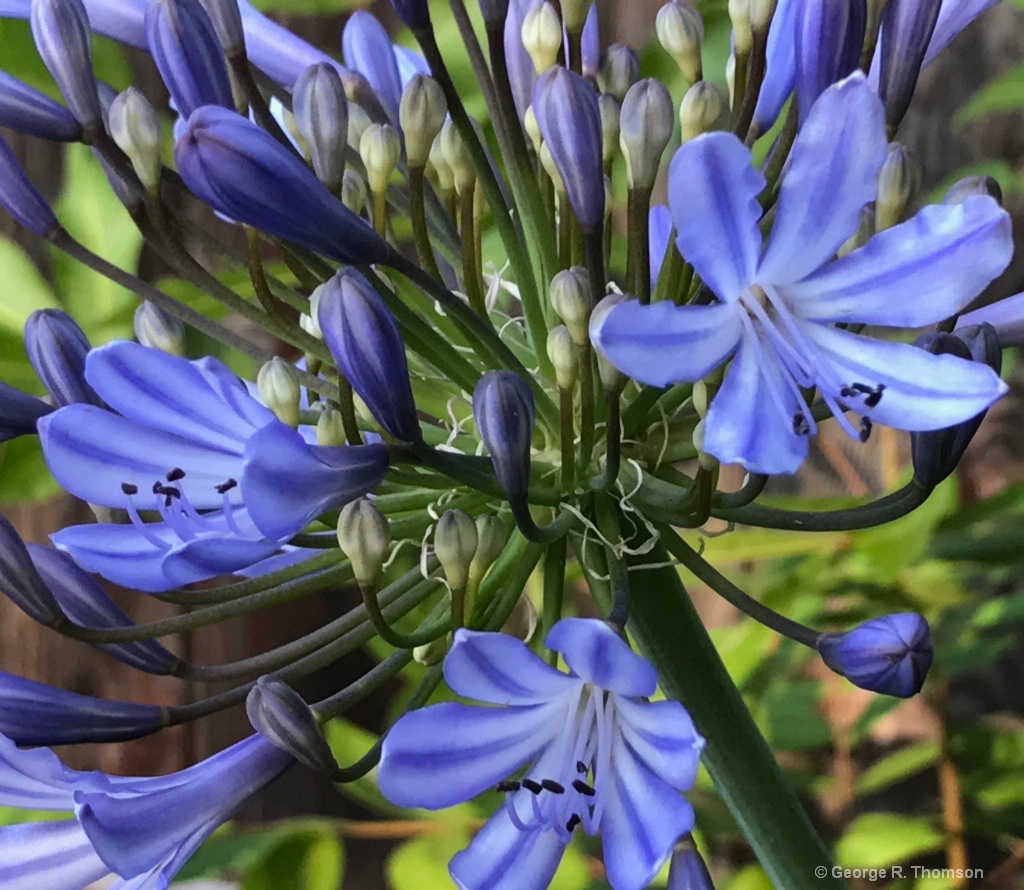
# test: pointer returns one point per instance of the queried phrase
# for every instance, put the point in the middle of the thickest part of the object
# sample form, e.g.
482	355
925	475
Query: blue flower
229	481
598	756
777	305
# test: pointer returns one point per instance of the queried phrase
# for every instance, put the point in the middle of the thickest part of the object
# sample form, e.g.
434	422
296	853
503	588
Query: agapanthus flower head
21	199
505	415
248	175
776	308
582	749
57	348
26	110
891	654
62	35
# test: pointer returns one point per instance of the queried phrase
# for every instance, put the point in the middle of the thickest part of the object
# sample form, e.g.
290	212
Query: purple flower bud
936	454
57	348
26	110
246	174
61	31
367	48
88	605
20	198
227	23
415	14
282	717
363	337
20	580
493	11
505	415
187	52
688	871
829	38
321	114
891	654
19	412
570	122
521	73
907	27
36	714
970	186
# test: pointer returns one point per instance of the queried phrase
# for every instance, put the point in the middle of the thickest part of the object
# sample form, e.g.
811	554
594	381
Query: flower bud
970	186
574	14
898	183
1006	317
363	337
60	29
570	297
353	193
20	580
542	35
687	870
57	347
505	415
457	158
26	110
680	30
226	19
442	170
21	199
321	116
431	653
491	540
188	55
415	14
279	389
158	330
564	355
455	543
828	42
367	48
645	127
532	128
761	12
612	379
330	429
610	110
907	27
364	537
135	126
421	113
380	148
570	122
547	161
246	174
19	412
279	714
522	622
618	70
700	109
493	12
739	15
891	654
358	121
864	233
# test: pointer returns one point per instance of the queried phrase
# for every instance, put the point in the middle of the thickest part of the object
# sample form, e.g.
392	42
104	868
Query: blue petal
367	49
954	16
780	74
745	425
922	391
501	857
597	654
521	73
663	737
643	819
663	343
712	193
914	274
286	483
1006	316
91	452
209	557
659	229
120	553
48	856
34	779
831	174
448	753
501	670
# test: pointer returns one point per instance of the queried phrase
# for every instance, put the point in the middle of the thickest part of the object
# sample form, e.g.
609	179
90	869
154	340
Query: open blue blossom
778	305
598	756
228	480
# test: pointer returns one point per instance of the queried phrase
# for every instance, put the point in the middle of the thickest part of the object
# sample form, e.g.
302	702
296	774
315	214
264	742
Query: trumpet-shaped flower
778	305
228	480
597	755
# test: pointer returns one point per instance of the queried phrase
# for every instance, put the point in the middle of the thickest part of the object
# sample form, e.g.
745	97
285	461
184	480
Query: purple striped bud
321	114
282	717
645	127
187	52
20	581
226	18
891	654
367	48
415	14
26	110
19	412
688	871
493	11
570	122
20	198
61	32
88	605
246	174
521	74
829	40
618	70
57	348
907	27
363	337
505	415
970	186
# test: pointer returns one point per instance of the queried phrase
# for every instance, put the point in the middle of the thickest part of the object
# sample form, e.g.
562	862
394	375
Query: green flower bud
532	128
547	161
279	389
329	428
700	109
705	460
645	127
380	147
491	540
442	169
135	126
542	36
570	297
739	15
358	121
612	379
522	623
364	537
457	158
353	191
899	181
308	320
158	330
574	14
761	12
618	70
421	114
455	543
865	229
680	31
564	355
610	110
431	653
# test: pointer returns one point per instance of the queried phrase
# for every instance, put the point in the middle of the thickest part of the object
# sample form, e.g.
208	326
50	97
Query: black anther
553	786
531	785
507	786
581	767
583	788
800	425
865	429
574	820
875	397
128	488
176	474
225	487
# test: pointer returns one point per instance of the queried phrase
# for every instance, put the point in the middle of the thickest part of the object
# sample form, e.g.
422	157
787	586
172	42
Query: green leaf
25	290
897	766
876	840
750	877
310	860
1005	93
24	475
422	863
